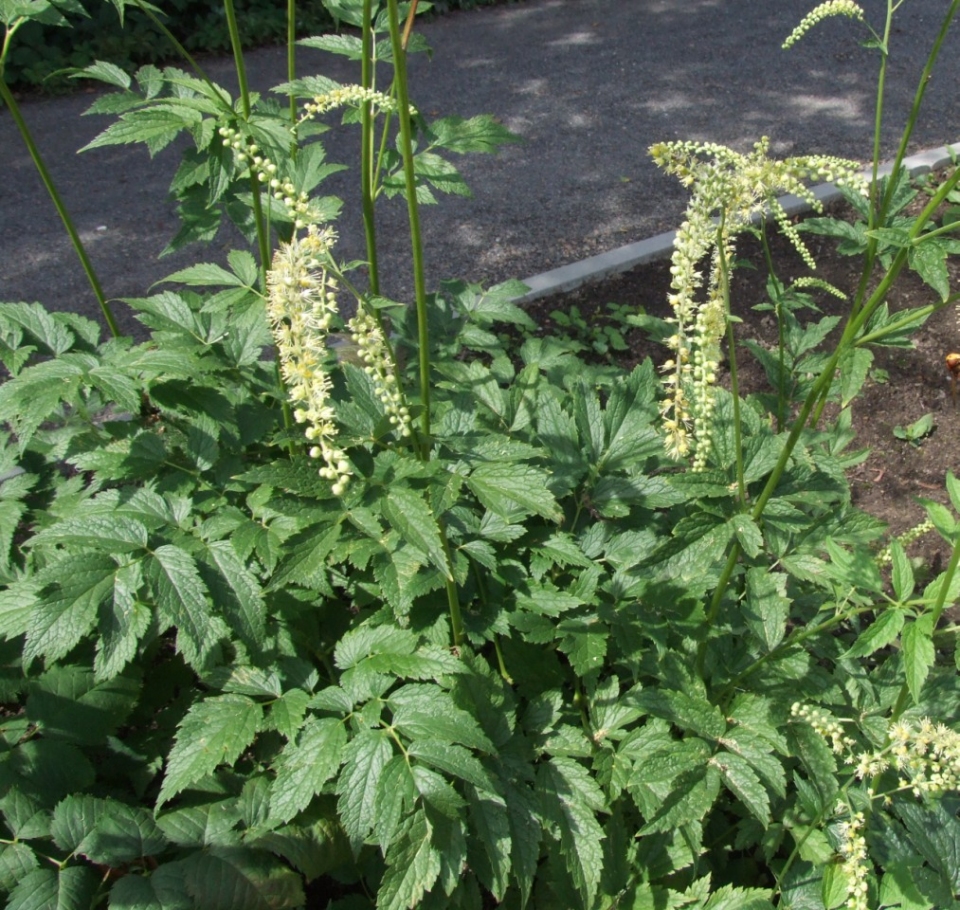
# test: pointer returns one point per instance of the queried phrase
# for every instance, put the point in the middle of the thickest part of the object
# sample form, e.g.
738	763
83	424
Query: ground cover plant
321	599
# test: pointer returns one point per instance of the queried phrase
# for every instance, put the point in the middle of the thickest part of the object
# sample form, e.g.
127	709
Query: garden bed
902	387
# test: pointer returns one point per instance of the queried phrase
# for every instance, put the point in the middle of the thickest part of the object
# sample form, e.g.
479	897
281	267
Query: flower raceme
301	307
824	11
729	189
302	311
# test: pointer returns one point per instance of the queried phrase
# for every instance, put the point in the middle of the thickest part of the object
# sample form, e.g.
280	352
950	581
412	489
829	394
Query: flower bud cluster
825	724
884	557
366	334
856	865
301	307
348	95
728	190
296	203
824	11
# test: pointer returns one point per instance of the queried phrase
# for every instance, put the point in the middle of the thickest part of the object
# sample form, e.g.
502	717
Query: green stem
292	59
263	238
406	144
8	99
367	163
734	383
781	337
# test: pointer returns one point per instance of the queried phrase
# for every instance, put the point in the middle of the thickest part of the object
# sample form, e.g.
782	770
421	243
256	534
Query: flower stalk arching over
824	11
729	190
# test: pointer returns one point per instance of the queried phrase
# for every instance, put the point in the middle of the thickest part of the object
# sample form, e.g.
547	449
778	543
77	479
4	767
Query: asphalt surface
587	84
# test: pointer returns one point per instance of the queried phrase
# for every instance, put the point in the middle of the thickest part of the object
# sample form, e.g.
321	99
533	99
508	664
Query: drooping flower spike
729	189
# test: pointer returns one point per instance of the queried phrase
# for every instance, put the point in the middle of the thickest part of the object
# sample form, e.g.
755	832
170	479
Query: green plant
604	339
917	431
387	611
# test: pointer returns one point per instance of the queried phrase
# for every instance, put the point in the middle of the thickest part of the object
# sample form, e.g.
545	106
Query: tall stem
263	238
419	281
8	99
367	163
292	58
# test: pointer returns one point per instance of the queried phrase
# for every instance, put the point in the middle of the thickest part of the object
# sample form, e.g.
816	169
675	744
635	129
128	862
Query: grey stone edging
622	259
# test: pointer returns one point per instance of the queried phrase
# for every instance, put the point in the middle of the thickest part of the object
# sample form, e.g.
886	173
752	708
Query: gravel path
588	84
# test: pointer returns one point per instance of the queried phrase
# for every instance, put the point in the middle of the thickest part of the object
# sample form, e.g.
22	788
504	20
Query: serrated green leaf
691	798
413	865
305	765
104	72
162	889
916	642
935	833
395	792
526	831
454	760
902	572
570	797
766	607
929	261
409	514
437	792
71	888
68	611
226	878
364	760
512	491
287	713
182	602
155	128
74	818
205	274
743	782
210	824
684	711
424	711
490	849
883	630
818	761
246	610
24	815
122	834
112	533
215	731
16	862
854	367
367	640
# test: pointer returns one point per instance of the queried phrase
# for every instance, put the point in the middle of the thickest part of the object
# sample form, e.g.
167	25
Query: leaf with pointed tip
233	878
413	865
304	766
409	514
743	782
16	862
182	602
512	490
570	797
364	760
58	620
918	654
244	606
490	849
162	889
215	731
72	888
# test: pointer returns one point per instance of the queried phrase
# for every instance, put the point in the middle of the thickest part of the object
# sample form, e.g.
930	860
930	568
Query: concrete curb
622	259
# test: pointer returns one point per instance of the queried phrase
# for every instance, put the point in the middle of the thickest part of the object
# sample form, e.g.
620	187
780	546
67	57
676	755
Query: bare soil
897	474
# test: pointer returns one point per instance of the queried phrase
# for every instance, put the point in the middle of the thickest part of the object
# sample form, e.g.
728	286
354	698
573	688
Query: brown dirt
897	474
